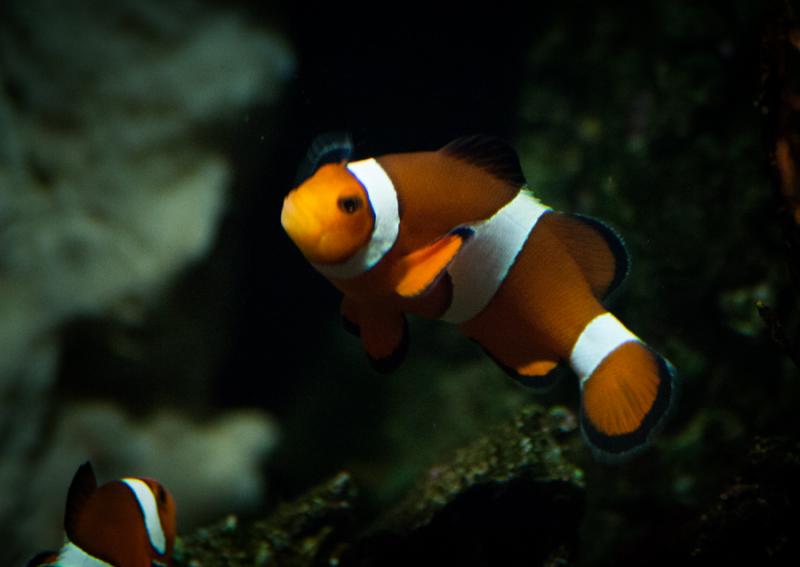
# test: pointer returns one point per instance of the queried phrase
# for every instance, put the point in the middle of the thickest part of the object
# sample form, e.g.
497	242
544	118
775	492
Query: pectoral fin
416	272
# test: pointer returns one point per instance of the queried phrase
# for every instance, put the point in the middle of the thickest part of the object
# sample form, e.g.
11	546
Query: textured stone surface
509	498
298	533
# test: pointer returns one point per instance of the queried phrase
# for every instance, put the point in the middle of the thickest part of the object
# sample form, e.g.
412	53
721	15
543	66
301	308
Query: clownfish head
328	216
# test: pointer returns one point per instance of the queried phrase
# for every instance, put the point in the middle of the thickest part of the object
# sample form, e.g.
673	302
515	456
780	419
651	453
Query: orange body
547	307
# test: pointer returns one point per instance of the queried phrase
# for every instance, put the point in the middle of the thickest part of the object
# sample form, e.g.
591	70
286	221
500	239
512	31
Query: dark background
644	114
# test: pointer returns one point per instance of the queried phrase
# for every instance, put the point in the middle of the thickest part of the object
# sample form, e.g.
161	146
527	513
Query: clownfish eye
350	204
162	494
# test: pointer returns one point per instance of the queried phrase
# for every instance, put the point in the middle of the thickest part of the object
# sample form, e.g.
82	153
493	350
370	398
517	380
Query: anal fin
536	374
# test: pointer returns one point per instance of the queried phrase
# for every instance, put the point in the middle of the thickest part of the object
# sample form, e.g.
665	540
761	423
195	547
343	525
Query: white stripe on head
73	556
601	336
382	198
147	504
478	270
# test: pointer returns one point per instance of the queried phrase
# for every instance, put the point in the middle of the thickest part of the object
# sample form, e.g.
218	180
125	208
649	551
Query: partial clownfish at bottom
456	234
124	523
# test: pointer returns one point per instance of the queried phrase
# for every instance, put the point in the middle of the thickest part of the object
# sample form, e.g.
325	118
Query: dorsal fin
490	153
81	488
331	147
596	247
622	259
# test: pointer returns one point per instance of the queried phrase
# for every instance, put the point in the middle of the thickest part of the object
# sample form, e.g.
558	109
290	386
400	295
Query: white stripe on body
601	336
382	197
480	268
73	556
149	507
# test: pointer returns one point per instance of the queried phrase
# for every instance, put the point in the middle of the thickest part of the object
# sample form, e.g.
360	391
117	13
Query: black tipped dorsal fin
596	247
331	147
81	488
490	153
622	259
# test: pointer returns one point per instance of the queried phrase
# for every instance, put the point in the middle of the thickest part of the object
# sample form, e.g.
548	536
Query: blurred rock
110	180
509	498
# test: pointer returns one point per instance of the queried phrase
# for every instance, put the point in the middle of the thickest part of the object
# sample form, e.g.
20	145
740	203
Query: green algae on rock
507	498
297	533
522	448
509	495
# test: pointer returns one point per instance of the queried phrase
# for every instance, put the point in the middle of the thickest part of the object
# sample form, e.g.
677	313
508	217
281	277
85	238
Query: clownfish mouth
302	227
317	240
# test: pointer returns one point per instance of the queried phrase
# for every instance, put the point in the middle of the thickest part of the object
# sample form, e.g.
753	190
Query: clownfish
456	235
125	523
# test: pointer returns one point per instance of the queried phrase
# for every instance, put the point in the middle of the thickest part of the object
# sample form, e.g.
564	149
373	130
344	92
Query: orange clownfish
125	523
455	234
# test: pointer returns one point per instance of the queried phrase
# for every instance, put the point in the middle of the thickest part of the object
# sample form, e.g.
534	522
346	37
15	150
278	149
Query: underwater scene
285	284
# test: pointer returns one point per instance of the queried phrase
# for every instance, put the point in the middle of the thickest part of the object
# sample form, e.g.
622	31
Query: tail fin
626	388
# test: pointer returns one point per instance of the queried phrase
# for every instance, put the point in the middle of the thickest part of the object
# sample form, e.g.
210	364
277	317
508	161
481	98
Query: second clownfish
455	234
125	523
